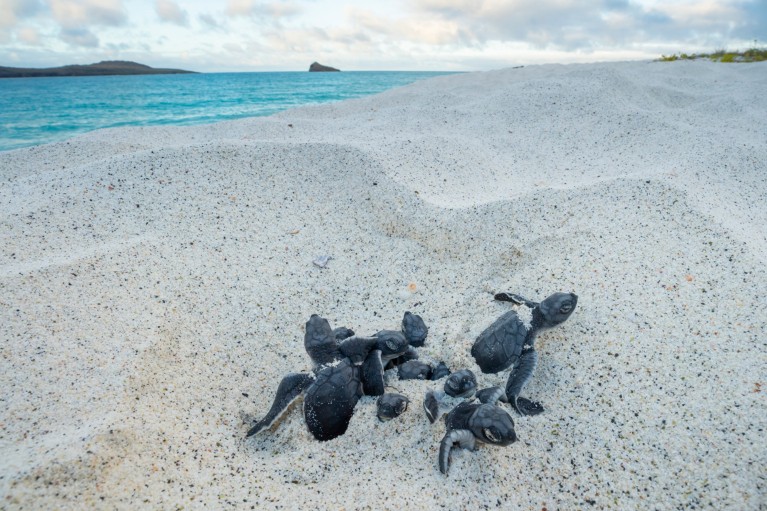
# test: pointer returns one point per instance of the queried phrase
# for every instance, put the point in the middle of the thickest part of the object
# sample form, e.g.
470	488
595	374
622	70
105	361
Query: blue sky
254	35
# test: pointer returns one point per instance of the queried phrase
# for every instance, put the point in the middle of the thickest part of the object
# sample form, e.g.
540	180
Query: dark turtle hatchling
391	405
509	342
469	423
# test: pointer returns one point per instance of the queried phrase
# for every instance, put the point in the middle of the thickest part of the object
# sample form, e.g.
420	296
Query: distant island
106	67
316	67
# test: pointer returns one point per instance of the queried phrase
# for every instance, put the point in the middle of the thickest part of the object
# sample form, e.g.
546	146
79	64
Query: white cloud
29	36
169	11
284	9
80	14
209	21
79	37
13	11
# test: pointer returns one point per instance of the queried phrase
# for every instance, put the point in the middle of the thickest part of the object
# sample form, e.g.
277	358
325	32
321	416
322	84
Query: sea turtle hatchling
472	422
345	368
508	342
459	385
390	406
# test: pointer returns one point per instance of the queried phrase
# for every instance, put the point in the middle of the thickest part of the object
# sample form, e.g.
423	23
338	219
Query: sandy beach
155	283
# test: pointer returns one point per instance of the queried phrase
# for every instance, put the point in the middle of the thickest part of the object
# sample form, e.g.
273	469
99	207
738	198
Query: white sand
149	277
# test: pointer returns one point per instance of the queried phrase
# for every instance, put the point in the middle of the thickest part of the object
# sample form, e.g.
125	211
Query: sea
42	110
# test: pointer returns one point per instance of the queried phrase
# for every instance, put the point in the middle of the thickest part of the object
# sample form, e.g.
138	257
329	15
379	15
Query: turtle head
391	406
493	425
392	344
461	383
557	308
415	329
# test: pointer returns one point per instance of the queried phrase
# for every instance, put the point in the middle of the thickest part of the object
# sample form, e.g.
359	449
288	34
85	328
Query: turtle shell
330	400
498	347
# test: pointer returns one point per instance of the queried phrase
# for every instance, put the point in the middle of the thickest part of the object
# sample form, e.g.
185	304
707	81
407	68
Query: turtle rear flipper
515	299
289	390
463	437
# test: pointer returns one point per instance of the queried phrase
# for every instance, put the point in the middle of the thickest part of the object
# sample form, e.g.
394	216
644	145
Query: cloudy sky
255	35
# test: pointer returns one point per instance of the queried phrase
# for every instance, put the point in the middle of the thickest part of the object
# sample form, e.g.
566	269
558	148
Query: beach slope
155	283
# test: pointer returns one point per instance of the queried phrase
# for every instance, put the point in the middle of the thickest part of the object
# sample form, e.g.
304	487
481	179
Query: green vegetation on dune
751	55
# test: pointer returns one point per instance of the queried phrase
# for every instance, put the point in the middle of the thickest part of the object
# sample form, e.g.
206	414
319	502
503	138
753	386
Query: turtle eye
391	345
452	383
491	435
566	308
402	407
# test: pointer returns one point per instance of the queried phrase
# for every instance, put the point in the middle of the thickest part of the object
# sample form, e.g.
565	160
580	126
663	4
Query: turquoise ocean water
41	110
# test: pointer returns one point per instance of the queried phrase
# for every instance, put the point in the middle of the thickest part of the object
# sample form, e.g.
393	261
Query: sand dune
152	277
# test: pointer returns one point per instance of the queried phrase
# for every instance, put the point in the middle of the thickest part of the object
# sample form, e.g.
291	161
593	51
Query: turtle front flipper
431	406
289	390
329	402
527	407
463	437
342	333
515	299
373	375
357	349
518	378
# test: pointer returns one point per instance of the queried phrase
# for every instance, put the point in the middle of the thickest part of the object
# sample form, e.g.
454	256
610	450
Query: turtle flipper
527	407
465	440
518	378
373	374
290	388
357	349
431	406
491	395
515	299
342	333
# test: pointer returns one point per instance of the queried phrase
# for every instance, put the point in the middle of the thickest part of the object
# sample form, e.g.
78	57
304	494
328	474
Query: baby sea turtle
459	385
469	423
390	406
508	342
345	368
414	330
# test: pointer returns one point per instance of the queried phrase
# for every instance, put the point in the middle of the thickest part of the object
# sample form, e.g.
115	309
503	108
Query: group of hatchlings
347	366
